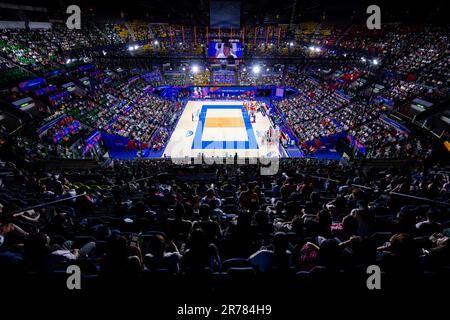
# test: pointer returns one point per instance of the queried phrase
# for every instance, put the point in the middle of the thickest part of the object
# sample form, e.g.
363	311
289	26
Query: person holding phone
163	255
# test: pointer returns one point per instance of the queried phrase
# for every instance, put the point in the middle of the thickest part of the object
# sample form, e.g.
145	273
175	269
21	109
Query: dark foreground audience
237	222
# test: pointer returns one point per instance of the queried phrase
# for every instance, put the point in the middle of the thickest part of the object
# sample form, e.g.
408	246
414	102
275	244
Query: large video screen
225	50
225	14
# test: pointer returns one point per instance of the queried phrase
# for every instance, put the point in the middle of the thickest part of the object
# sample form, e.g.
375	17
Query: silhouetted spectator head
315	197
280	242
311	227
210	193
330	253
403	245
59	189
179	211
198	240
324	218
297	225
157	245
205	211
350	225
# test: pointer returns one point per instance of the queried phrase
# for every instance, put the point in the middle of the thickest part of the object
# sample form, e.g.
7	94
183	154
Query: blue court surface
199	143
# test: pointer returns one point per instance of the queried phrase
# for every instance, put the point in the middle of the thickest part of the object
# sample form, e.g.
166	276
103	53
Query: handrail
5	216
334	180
42	205
141	179
391	192
418	198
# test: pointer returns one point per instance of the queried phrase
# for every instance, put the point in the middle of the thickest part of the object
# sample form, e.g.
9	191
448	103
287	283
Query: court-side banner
200	92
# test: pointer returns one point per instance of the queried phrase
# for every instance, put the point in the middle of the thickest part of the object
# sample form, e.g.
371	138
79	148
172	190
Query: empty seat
245	273
235	263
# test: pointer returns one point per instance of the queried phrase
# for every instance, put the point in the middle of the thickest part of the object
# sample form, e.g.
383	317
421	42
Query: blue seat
247	272
235	263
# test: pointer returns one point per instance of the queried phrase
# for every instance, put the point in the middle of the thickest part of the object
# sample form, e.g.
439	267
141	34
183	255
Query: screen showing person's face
226	51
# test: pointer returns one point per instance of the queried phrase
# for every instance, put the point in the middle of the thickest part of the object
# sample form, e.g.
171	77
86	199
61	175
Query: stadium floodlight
291	44
156	42
256	69
195	69
130	48
375	62
136	47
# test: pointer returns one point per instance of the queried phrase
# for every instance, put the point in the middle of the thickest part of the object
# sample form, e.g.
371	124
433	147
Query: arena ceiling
255	11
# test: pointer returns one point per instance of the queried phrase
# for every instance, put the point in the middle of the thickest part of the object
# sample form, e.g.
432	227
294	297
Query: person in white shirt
162	255
279	257
223	51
